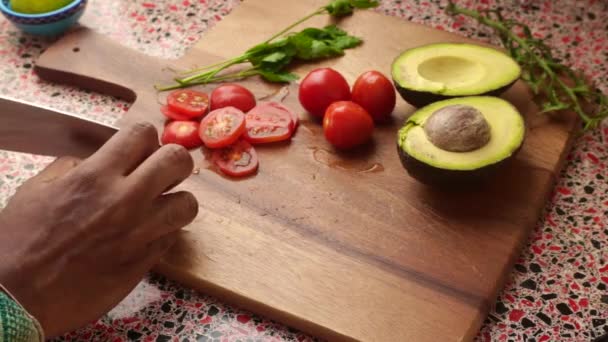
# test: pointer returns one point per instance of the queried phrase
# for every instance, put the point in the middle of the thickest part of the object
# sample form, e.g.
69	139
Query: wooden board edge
194	282
517	251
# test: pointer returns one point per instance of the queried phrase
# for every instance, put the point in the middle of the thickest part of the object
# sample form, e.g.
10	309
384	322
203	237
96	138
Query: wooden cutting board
344	246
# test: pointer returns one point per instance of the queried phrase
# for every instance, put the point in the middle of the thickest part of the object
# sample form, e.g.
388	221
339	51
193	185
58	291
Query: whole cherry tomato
374	92
322	87
347	124
232	95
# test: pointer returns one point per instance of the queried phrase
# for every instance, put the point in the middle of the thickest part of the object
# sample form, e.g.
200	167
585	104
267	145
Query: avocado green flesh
454	69
506	126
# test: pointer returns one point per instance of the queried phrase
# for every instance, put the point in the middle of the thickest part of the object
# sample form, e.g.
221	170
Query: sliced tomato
173	115
269	122
222	127
264	133
188	102
237	160
294	115
183	133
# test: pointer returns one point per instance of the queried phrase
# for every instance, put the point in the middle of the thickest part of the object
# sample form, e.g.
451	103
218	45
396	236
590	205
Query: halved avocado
460	141
435	72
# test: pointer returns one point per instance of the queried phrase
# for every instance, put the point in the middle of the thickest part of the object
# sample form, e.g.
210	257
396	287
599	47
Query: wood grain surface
345	246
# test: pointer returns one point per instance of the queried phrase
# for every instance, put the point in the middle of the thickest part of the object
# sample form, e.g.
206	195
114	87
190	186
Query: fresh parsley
271	58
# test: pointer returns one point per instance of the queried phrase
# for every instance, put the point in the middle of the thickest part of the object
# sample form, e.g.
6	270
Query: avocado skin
450	179
420	99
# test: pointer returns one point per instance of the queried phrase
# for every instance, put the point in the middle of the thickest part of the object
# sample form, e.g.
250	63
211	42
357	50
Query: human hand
78	237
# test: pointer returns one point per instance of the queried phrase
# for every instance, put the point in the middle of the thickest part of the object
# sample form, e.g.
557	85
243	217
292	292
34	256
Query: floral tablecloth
558	289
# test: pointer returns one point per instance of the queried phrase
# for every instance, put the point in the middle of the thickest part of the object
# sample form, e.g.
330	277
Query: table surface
558	289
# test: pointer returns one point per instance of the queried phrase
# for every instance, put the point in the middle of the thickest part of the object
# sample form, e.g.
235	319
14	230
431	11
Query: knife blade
29	128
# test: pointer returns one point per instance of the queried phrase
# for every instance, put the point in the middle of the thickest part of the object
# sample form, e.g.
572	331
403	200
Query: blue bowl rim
65	8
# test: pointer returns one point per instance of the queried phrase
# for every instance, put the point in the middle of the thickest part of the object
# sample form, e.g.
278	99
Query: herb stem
241	74
270	58
209	74
219	64
541	71
240	59
574	99
319	11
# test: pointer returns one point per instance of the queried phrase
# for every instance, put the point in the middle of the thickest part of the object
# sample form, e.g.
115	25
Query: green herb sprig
271	58
560	87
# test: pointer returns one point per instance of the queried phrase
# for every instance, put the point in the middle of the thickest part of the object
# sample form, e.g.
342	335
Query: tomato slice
263	133
237	160
222	127
273	105
269	122
188	102
294	115
173	115
183	133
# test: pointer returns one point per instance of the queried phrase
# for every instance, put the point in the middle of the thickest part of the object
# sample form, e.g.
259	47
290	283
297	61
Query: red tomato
191	103
183	133
269	122
237	160
347	124
374	92
322	87
222	127
173	115
232	95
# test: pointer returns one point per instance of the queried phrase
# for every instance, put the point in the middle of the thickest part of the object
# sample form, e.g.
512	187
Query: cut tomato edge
228	173
175	116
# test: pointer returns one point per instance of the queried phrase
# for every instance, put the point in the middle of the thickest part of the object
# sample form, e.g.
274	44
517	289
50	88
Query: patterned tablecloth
558	290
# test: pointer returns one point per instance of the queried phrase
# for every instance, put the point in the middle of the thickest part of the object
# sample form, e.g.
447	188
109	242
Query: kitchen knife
29	128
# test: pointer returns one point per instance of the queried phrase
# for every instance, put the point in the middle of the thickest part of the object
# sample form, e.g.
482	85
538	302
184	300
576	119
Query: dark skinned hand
78	237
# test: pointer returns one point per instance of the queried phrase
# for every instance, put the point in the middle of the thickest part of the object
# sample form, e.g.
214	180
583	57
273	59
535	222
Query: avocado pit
457	128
